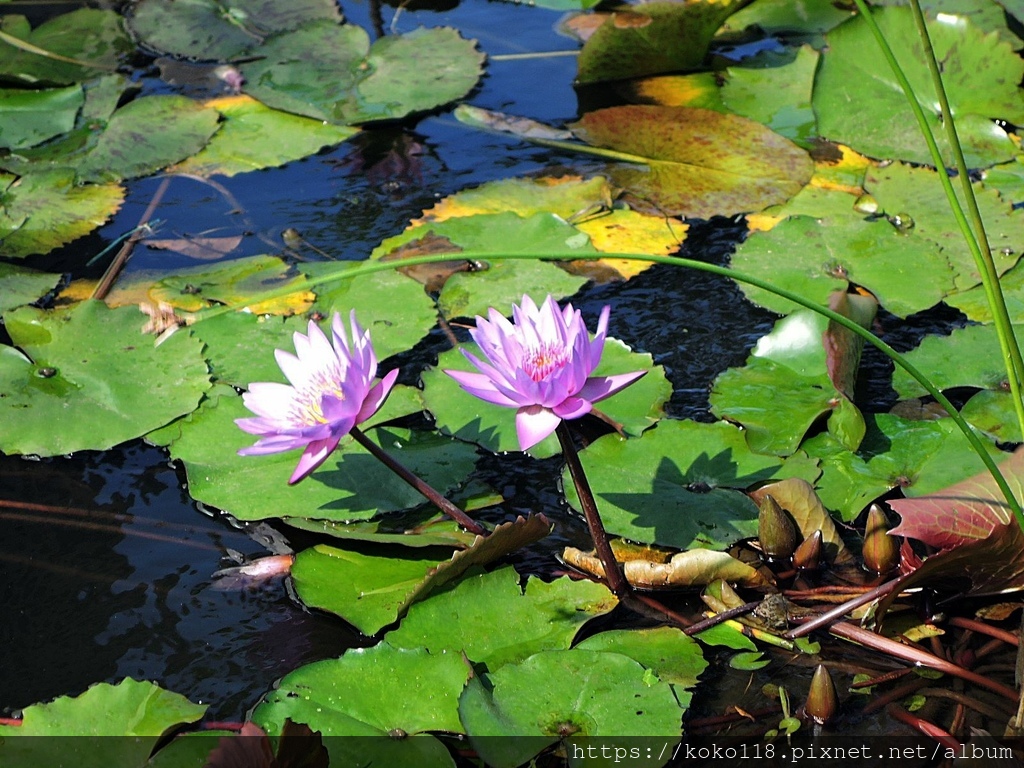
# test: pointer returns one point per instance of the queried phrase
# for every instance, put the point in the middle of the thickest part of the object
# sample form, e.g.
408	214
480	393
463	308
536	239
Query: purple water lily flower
541	365
331	392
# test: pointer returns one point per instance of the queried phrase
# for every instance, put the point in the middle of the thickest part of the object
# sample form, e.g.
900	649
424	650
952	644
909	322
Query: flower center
541	362
307	408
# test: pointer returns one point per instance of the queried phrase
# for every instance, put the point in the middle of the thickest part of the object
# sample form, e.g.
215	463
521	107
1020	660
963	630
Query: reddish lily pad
699	163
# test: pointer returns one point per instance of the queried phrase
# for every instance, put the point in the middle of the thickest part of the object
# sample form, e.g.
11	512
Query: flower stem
612	569
431	493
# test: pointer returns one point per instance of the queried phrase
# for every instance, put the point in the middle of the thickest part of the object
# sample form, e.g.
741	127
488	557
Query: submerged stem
612	568
435	497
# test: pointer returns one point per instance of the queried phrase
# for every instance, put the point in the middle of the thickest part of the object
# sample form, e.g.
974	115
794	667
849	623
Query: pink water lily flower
332	390
541	365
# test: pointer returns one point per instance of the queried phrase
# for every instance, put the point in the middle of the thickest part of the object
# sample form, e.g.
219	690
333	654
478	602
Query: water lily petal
483	387
376	396
600	387
533	424
572	408
316	453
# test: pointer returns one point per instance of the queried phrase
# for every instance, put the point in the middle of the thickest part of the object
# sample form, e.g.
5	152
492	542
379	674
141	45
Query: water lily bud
822	701
775	530
807	556
881	551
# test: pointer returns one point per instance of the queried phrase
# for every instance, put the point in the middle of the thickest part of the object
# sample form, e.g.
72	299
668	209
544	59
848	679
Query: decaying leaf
695	567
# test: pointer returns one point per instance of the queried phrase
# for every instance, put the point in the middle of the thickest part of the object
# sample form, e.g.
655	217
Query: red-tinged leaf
967	512
842	346
298	747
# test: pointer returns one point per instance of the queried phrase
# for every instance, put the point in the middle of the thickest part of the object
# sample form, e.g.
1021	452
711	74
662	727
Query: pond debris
163	320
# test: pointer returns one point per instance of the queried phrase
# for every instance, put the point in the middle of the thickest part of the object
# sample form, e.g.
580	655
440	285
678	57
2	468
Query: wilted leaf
204	248
695	567
699	163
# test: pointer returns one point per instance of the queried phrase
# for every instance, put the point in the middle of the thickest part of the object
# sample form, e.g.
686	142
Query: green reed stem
976	239
368	267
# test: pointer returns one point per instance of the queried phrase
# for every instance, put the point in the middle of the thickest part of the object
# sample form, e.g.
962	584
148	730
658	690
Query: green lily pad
969	357
785	387
974	302
576	696
495	621
213	30
503	282
254	136
699	163
675	658
776	96
30	117
993	413
493	427
141	138
19	285
86	35
814	257
351	484
393	308
652	38
90	380
396	695
332	73
801	17
136	713
371	591
859	102
916	192
42	211
919	457
676	485
986	15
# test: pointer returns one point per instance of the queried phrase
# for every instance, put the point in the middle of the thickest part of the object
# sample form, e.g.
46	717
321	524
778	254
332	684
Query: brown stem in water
839	611
435	497
612	569
114	270
932	731
984	629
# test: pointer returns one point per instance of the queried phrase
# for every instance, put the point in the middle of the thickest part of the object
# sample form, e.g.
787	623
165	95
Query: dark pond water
107	563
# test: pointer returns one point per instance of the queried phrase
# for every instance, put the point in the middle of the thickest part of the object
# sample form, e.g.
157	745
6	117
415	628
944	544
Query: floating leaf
372	591
974	302
332	73
351	484
142	137
136	714
860	103
495	621
801	17
493	426
918	457
213	30
652	38
693	568
699	163
785	387
502	282
203	248
30	117
699	89
674	657
576	696
395	695
91	380
993	413
254	136
19	285
85	34
776	96
968	357
42	211
673	486
585	203
234	282
916	192
814	257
